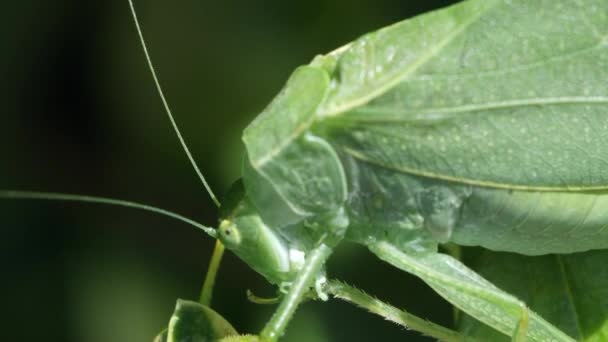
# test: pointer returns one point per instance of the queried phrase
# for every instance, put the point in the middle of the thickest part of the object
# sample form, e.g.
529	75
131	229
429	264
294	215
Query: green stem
350	294
214	266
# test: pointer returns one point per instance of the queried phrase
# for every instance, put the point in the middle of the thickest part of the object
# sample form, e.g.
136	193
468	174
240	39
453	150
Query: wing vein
430	114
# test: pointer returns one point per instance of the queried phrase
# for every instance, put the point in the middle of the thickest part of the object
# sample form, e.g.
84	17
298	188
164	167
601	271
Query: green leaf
194	322
570	291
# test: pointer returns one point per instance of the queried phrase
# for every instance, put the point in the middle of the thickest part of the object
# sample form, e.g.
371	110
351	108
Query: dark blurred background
80	114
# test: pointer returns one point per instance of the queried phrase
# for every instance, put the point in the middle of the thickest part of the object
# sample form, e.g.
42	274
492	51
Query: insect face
242	231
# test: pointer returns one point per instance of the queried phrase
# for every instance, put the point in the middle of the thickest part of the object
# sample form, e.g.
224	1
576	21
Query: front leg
301	284
310	272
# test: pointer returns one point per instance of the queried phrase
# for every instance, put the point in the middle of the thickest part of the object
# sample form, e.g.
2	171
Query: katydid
395	143
402	140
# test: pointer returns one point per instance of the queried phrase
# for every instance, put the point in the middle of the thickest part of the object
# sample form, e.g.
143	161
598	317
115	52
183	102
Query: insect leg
471	293
350	294
301	284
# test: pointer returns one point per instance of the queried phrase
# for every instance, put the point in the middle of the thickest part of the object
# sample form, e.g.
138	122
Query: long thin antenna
54	196
166	105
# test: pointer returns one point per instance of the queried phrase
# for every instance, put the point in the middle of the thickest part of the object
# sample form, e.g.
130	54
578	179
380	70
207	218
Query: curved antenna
54	196
166	105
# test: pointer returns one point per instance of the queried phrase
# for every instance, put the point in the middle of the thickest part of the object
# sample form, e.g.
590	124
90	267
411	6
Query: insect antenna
56	196
218	251
166	105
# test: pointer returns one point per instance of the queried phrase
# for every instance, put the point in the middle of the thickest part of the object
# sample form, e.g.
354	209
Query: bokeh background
79	113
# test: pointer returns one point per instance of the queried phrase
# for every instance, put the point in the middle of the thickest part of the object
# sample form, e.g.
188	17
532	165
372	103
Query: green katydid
412	155
397	142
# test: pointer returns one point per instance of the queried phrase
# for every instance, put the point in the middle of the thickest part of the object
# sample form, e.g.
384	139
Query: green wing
507	94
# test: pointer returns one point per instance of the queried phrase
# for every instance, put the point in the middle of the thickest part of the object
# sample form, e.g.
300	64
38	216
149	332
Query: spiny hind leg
471	293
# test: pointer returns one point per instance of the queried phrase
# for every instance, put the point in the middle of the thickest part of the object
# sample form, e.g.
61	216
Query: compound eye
229	234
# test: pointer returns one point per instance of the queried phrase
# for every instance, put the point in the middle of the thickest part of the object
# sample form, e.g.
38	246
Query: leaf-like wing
570	291
501	93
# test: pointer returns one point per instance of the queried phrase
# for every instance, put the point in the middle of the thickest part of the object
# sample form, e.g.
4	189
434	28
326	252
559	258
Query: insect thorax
413	213
300	183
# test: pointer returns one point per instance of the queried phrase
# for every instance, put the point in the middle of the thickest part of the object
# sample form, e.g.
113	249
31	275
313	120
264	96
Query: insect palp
262	300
